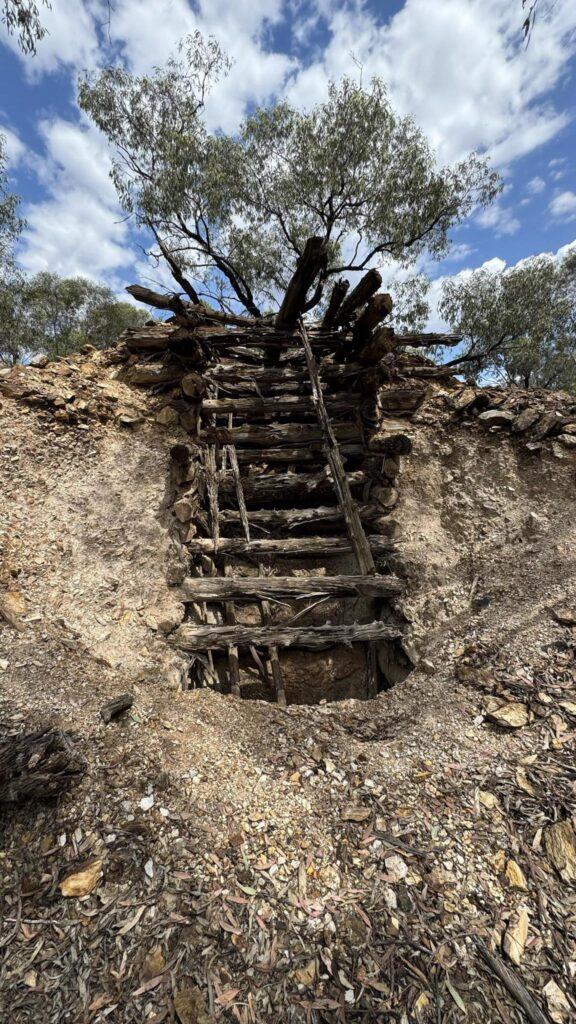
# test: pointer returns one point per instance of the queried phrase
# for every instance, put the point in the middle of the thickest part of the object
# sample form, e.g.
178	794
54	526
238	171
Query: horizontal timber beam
294	404
291	519
286	486
285	547
242	588
279	433
198	638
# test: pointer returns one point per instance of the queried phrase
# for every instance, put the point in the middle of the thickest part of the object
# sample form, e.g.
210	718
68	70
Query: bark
312	452
116	707
227	588
37	766
194	638
273	406
311	263
296	518
400	400
362	293
383	342
426	340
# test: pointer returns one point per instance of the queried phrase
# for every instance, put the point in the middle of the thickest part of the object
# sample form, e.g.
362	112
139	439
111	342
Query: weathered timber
293	404
392	443
354	527
116	707
286	547
512	983
38	766
309	453
246	588
383	342
270	376
239	490
362	293
308	266
286	486
401	400
279	433
159	300
212	489
187	314
296	518
427	340
149	336
336	299
152	375
197	638
377	309
273	659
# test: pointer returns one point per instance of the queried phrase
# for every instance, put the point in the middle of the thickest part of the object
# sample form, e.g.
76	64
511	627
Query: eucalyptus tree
518	324
230	214
22	18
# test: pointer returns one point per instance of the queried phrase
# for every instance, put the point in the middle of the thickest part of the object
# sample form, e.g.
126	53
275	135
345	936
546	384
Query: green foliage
10	223
231	214
518	324
22	17
58	315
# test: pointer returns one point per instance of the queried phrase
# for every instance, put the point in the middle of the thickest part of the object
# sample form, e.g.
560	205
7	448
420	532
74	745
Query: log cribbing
286	547
352	520
309	453
378	308
428	339
284	486
308	266
279	433
294	518
194	638
254	588
276	406
367	286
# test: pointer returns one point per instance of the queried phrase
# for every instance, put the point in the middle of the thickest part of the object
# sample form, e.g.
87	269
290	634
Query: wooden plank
196	638
270	376
212	488
285	547
252	588
312	452
354	526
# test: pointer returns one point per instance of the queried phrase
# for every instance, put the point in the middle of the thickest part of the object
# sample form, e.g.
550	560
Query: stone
385	496
565	616
560	844
167	416
39	360
516	934
165	615
183	509
568	440
549	423
515	876
558	1005
427	666
526	419
496	418
570	429
512	716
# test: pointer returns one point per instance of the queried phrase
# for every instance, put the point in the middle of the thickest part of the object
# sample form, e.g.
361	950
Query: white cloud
499	218
457	66
564	205
78	228
71	38
535	186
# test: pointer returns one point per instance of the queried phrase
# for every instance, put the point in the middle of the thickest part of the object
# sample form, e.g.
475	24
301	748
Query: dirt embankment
326	863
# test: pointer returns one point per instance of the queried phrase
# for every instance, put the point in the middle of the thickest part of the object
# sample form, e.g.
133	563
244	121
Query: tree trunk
309	265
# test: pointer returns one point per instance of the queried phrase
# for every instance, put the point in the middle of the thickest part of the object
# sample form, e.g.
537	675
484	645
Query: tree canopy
58	315
22	18
230	214
518	324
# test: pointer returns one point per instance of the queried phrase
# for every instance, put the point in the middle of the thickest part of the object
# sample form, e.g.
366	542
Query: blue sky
459	66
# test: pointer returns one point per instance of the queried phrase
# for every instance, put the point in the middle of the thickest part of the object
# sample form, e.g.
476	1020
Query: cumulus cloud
564	205
78	228
14	148
500	219
535	186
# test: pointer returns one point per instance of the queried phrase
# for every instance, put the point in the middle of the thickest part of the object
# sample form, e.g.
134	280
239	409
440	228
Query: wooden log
311	263
354	527
295	405
38	766
362	293
116	707
197	638
310	547
377	309
427	340
514	986
148	337
159	300
335	301
401	400
271	376
279	433
296	518
383	342
150	375
309	453
283	487
212	489
255	588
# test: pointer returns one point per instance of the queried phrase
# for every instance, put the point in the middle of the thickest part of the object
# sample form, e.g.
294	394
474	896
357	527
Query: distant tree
58	315
230	214
518	324
10	277
22	18
10	223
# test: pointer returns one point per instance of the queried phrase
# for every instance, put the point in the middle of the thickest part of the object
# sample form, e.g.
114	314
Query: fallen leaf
227	997
190	1006
456	996
306	975
516	935
560	843
83	882
557	1002
512	716
154	964
523	782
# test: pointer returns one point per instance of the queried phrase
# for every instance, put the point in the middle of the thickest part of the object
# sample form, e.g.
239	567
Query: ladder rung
247	588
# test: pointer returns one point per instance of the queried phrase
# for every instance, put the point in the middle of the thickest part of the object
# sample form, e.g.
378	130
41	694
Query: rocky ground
410	858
